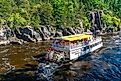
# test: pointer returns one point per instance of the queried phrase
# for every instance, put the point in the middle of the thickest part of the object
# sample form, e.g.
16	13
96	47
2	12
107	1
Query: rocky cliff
31	34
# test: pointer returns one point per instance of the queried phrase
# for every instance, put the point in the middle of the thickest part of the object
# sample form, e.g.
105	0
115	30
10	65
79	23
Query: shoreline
15	40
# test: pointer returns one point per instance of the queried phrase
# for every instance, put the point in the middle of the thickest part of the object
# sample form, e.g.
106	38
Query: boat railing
72	46
66	47
76	45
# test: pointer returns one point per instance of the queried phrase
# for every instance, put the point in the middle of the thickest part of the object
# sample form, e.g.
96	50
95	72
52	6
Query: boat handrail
76	45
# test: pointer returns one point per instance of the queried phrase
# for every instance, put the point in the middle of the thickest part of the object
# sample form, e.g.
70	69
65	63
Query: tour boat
67	47
74	46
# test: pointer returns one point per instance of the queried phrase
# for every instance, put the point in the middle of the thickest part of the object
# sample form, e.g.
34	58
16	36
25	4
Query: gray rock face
30	34
28	38
2	36
27	34
36	36
92	17
58	34
43	36
45	32
95	18
103	30
49	28
80	30
14	40
77	31
65	32
27	31
5	32
70	29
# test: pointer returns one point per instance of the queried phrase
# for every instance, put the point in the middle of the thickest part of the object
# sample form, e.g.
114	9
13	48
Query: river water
106	66
103	65
20	58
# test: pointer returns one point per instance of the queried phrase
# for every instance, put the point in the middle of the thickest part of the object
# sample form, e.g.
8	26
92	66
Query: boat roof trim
73	37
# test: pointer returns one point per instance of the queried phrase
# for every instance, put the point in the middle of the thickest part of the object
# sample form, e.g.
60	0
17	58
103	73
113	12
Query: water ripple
107	65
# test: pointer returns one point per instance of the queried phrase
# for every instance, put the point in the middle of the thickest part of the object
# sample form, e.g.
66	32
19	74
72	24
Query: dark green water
20	57
104	65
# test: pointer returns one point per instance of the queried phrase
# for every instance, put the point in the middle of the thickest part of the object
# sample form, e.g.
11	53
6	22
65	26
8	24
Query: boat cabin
77	45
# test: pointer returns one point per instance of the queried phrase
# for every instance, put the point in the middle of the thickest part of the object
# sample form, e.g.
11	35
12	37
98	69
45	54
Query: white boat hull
78	52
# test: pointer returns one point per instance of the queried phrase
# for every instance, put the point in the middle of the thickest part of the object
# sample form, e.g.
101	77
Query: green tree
58	11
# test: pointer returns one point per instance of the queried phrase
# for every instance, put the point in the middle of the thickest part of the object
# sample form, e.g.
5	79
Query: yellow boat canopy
74	37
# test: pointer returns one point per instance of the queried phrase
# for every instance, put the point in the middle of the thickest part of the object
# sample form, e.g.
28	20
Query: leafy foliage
110	20
58	10
19	13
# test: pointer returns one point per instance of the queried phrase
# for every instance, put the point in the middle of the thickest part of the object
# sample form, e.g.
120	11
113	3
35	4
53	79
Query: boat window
76	53
84	49
93	45
96	44
87	47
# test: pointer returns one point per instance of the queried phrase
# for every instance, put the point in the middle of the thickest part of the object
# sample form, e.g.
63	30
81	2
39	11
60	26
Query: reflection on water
101	66
20	55
104	66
